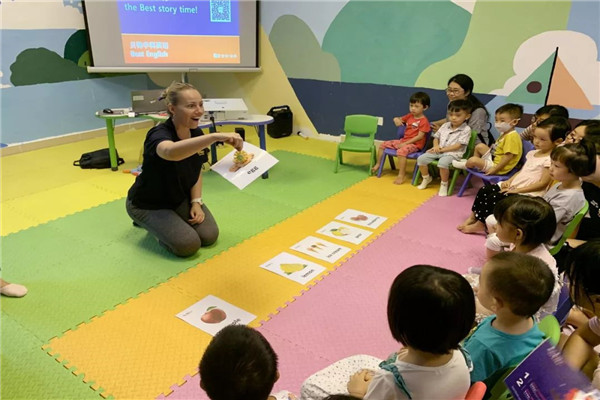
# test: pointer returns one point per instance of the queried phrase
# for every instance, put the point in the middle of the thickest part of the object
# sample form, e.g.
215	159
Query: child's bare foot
399	180
468	221
475	227
375	169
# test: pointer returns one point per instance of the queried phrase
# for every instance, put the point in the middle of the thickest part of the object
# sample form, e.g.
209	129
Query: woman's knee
185	246
209	236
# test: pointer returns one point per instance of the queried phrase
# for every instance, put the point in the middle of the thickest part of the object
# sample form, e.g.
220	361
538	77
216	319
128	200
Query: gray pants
172	229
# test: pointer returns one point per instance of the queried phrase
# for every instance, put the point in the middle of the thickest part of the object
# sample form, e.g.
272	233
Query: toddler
513	286
417	127
587	127
430	310
240	364
542	114
449	143
532	179
584	277
505	153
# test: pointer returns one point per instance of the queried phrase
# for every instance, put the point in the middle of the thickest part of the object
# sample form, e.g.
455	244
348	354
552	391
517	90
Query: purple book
544	375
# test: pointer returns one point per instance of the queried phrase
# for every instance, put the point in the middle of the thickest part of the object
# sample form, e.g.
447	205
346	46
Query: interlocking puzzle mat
81	265
140	348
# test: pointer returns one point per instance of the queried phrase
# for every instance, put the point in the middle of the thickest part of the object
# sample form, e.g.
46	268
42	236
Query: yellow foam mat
140	349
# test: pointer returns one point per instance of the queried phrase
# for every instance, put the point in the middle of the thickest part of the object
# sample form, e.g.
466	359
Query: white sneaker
459	164
13	290
426	181
443	190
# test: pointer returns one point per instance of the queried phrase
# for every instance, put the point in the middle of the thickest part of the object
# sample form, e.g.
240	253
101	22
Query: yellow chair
360	138
468	153
570	229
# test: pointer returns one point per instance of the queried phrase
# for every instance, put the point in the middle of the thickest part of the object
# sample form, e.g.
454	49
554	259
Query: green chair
468	153
360	138
497	389
570	229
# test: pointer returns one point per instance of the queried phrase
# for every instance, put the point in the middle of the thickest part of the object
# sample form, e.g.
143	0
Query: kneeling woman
166	198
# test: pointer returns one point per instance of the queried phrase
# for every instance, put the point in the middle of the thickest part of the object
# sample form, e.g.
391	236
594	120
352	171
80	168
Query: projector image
224	109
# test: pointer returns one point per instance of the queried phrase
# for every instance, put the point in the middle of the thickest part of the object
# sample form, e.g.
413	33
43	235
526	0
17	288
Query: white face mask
502	127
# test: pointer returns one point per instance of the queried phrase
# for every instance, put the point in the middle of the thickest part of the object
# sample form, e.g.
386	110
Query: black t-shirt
163	183
590	227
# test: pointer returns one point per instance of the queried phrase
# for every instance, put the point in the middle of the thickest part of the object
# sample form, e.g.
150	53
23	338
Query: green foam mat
81	265
28	373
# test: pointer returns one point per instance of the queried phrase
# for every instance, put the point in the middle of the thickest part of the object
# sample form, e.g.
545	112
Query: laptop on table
147	102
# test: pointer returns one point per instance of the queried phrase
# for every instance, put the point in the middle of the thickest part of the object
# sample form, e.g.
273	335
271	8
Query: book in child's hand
544	375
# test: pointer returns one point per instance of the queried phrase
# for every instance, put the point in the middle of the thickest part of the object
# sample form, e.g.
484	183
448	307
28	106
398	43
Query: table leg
213	148
263	144
110	132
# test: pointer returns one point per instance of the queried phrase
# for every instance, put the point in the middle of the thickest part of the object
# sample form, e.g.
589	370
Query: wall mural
373	55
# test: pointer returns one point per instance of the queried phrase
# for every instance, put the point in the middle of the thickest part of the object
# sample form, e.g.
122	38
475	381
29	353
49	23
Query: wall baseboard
17	148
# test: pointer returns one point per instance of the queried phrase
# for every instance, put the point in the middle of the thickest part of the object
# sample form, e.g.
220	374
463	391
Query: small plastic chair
468	153
360	138
494	179
391	153
476	391
570	229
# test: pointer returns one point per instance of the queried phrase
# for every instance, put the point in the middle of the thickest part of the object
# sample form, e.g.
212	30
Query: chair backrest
400	132
564	305
527	147
471	146
570	228
476	391
550	328
360	125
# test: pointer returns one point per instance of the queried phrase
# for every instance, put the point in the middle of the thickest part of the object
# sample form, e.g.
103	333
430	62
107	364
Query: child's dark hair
553	110
460	105
557	126
592	140
592	126
430	309
532	215
514	110
238	364
579	158
421	98
523	282
466	83
583	271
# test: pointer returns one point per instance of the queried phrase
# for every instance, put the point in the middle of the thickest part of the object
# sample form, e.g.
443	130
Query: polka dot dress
485	201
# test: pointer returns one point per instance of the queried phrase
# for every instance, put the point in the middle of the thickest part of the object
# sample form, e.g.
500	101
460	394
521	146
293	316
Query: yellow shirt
508	143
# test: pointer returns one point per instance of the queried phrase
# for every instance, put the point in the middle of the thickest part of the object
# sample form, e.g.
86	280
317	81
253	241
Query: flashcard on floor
361	218
344	232
244	167
294	268
211	314
321	249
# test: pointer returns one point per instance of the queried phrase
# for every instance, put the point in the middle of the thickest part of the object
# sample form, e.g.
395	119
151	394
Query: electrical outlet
380	121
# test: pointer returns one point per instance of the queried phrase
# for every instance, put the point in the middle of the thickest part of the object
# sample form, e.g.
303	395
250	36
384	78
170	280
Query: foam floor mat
113	348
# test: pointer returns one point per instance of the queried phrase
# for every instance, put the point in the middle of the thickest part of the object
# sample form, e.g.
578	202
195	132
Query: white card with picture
344	232
294	268
211	314
243	167
321	249
361	218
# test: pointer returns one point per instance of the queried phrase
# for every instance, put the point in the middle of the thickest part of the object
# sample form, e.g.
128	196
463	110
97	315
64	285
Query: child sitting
449	143
513	286
532	179
430	310
584	277
545	112
504	155
586	127
417	127
240	364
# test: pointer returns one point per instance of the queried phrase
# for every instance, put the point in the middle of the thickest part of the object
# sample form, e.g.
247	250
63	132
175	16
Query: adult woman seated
166	198
460	87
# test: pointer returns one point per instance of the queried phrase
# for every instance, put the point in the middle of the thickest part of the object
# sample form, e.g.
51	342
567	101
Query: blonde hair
171	93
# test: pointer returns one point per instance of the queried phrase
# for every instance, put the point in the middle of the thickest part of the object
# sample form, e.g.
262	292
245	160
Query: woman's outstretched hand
233	139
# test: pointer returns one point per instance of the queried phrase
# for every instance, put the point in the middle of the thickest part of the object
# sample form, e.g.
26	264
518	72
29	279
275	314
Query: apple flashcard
361	218
211	314
344	232
242	168
294	268
321	249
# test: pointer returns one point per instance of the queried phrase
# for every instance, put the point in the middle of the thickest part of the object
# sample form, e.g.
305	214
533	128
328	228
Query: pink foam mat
345	313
